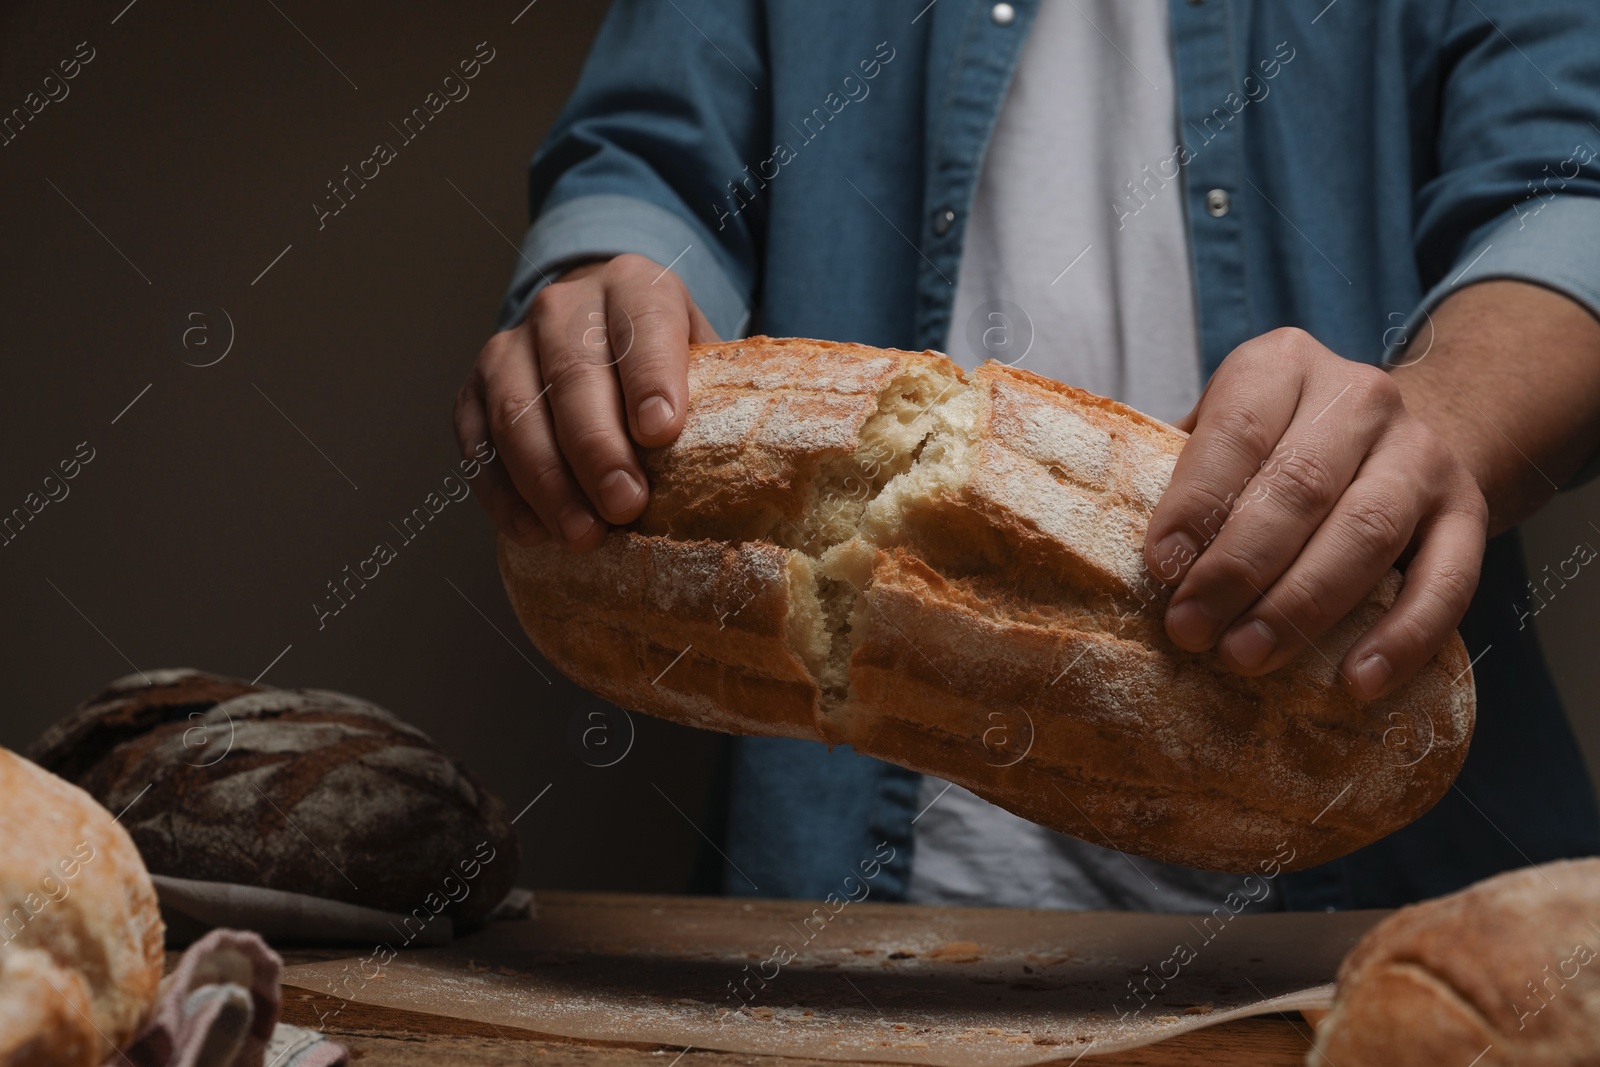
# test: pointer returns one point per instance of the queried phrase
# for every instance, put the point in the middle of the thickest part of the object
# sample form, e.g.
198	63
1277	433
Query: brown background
197	140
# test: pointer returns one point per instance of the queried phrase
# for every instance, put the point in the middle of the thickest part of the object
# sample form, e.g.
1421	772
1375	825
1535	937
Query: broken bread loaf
946	571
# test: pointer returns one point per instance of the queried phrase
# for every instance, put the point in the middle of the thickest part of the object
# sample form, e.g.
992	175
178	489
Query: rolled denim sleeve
1517	194
672	105
1519	89
1555	244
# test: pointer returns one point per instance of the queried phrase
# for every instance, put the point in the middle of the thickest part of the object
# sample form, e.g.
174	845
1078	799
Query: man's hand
599	364
1305	479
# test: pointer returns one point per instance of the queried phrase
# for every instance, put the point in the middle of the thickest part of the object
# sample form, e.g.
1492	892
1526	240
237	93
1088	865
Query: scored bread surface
870	547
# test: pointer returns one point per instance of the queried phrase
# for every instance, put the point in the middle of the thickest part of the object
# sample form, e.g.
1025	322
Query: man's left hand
1305	479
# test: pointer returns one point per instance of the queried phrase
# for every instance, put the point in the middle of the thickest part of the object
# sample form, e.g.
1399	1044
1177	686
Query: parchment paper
946	987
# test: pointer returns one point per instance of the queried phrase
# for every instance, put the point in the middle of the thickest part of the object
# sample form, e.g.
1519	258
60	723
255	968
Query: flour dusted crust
80	929
130	706
870	547
305	790
726	649
1504	972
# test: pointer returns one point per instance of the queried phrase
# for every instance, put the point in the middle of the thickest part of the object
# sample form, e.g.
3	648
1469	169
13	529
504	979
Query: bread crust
1506	971
74	892
693	631
44	1013
303	790
128	707
979	611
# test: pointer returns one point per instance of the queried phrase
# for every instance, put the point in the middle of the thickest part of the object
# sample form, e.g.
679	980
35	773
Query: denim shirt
807	167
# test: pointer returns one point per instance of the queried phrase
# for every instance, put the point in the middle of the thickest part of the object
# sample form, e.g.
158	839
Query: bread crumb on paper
957	952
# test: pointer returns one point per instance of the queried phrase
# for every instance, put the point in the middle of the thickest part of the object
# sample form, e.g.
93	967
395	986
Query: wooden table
379	1036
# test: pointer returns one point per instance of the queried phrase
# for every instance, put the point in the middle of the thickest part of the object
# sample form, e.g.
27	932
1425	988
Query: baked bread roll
304	790
80	930
871	548
1504	972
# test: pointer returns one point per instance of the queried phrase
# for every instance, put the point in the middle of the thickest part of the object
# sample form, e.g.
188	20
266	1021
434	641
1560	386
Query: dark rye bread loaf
303	790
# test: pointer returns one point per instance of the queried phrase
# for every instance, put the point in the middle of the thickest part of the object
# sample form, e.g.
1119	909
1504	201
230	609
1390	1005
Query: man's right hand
599	364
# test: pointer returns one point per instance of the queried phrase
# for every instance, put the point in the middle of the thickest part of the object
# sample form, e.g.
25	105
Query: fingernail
1173	555
1192	626
654	415
575	522
619	492
1251	645
1372	674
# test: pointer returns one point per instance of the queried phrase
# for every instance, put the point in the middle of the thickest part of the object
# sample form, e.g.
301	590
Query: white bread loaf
80	930
1504	972
868	547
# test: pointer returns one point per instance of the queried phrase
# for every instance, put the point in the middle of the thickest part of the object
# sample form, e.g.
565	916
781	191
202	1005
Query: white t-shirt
1093	285
1076	266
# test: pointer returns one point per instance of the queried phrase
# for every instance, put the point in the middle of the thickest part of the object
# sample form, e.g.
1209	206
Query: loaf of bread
80	929
1504	972
946	571
304	790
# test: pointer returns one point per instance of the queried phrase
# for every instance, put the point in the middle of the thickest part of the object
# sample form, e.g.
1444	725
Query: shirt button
1002	14
943	221
1217	203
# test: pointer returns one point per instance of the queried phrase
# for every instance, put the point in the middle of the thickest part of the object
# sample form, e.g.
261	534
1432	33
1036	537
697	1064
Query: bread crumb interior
915	447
